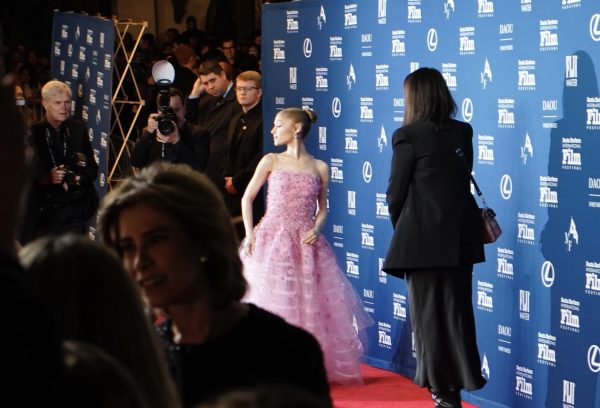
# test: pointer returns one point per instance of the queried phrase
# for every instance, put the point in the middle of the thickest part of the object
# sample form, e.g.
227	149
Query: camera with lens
163	74
166	120
73	168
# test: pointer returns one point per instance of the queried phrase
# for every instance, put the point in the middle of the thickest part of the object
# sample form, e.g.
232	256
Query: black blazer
436	219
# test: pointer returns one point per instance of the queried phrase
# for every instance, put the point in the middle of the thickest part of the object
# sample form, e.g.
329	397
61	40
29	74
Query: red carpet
383	389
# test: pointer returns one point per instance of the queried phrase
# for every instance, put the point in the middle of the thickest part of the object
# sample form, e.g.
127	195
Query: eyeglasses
245	89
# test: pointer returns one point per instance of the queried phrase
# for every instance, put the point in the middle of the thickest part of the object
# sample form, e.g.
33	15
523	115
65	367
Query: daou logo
307	47
593	358
367	172
506	186
467	109
595	27
432	39
336	107
548	274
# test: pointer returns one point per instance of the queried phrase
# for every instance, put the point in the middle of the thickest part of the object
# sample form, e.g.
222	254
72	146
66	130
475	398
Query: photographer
64	168
169	137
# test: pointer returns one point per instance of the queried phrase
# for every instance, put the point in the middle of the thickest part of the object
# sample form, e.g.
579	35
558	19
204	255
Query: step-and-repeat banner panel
82	56
524	75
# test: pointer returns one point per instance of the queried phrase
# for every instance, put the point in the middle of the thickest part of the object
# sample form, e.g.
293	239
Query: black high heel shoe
446	399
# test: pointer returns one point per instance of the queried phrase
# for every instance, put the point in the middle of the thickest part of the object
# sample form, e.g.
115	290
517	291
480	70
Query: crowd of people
201	292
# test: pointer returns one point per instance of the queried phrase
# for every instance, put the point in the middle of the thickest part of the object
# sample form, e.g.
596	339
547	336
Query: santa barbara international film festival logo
592	113
350	16
278	50
414	13
524	382
449	74
548	35
466	40
291	21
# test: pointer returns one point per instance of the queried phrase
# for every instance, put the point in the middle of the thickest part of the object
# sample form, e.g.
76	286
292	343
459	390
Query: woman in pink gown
290	268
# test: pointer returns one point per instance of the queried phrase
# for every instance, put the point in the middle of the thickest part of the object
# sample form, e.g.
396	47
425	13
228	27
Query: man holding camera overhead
169	137
64	168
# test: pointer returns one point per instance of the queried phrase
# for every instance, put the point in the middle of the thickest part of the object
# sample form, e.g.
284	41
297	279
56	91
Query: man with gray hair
64	167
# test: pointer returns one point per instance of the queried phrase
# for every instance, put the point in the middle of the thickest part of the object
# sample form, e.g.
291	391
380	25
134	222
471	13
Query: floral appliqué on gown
303	283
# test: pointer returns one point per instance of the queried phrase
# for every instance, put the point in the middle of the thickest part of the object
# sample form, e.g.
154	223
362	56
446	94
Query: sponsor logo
526	75
506	36
594	192
549	113
102	179
352	265
335	48
337	170
89	36
381	208
506	114
486	75
398	104
366	45
351	202
448	8
64	31
485	291
366	109
547	274
322	138
70	50
524	299
571	153
413	66
485	149
293	77
432	42
548	35
466	40
504	339
367	172
467	109
92	97
592	278
351	142
351	77
548	191
505	263
414	14
291	21
593	358
336	107
384	338
350	16
381	140
569	314
524	382
82	53
77	33
278	50
308	102
546	349
485	367
398	43
107	62
382	274
568	4
568	394
506	187
338	236
592	111
449	74
571	74
57	48
571	235
307	47
381	11
525	228
399	305
485	8
101	40
321	18
321	82
526	149
367	236
595	27
382	79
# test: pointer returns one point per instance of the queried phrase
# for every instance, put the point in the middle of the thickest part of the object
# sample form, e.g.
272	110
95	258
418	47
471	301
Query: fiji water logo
505	263
350	16
571	74
485	300
524	382
526	75
398	43
399	303
382	274
352	265
548	35
321	81
321	18
549	191
571	236
335	48
466	40
568	4
526	6
486	75
592	113
351	202
366	109
506	113
568	394
524	304
293	77
291	22
571	153
381	140
546	349
351	140
525	228
337	170
278	50
351	77
485	149
366	44
547	274
382	211
382	79
367	236
322	138
449	7
485	8
569	314
485	368
384	339
381	11
526	149
449	74
592	278
414	14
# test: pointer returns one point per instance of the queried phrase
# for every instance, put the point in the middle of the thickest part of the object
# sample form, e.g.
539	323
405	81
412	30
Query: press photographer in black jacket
64	167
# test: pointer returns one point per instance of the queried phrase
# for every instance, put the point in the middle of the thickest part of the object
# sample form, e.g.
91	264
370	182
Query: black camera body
73	167
166	120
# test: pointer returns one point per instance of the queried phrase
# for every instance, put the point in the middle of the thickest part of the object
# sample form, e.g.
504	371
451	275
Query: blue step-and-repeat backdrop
524	75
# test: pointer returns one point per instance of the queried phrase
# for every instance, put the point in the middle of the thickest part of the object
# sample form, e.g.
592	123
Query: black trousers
441	312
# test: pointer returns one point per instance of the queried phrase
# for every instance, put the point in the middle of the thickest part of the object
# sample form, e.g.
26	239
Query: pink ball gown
302	283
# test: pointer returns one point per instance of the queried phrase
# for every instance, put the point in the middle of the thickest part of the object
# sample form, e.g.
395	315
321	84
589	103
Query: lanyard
50	143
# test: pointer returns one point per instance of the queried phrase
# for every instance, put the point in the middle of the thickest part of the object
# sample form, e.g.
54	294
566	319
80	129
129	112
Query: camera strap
50	143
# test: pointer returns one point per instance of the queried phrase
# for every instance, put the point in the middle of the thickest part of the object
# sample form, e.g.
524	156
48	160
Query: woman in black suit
437	236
